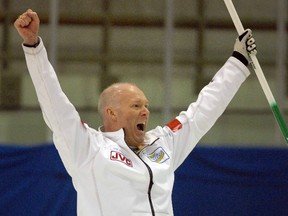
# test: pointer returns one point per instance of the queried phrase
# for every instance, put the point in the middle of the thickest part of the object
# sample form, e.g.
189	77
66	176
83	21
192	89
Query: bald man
121	168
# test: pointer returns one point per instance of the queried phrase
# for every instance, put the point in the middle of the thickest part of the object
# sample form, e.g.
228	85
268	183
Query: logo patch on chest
158	155
118	156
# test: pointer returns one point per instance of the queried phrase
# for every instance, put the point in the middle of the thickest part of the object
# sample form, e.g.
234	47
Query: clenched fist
27	25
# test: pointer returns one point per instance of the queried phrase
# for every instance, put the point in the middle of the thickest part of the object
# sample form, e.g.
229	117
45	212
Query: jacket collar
115	135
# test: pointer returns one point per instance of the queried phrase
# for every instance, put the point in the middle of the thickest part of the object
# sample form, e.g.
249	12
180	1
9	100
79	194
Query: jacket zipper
150	187
151	180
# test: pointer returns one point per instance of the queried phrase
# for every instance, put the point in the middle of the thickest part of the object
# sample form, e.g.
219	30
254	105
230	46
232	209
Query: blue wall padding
211	182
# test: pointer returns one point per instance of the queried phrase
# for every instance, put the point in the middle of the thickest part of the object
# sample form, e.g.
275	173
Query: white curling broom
259	73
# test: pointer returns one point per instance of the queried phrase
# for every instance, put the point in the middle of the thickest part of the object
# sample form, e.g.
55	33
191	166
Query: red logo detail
175	125
118	156
83	124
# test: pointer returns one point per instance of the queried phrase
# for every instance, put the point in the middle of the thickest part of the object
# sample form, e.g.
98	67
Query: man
120	169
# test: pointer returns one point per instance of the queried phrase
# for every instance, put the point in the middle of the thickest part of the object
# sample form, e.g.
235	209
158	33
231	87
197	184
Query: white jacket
110	179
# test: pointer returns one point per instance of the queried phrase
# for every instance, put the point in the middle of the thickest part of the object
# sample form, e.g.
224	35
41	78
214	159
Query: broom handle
259	73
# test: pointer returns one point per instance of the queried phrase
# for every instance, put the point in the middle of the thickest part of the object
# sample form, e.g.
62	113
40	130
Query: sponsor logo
118	156
158	155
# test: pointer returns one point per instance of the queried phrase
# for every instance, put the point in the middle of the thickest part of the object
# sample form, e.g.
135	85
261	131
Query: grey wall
203	39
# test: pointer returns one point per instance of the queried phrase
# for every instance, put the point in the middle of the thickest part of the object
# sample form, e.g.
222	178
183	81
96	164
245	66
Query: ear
111	114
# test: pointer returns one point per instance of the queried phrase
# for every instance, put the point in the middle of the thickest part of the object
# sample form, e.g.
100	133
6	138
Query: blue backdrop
212	181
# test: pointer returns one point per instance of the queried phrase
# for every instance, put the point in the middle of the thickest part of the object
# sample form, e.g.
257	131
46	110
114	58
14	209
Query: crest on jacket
158	155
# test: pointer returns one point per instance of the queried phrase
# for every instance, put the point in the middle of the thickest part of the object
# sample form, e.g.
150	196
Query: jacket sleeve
70	135
191	125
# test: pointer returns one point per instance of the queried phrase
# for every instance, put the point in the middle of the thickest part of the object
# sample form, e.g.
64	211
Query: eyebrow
140	101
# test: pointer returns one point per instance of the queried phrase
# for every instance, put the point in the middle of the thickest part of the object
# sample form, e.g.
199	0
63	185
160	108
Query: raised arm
191	125
70	135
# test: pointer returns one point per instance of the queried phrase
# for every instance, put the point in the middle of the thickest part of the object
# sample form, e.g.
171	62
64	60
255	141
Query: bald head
112	96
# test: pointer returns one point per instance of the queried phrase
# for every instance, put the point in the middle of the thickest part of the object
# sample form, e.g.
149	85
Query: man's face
133	115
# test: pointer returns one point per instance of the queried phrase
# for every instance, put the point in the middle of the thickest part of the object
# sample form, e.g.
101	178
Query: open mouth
141	127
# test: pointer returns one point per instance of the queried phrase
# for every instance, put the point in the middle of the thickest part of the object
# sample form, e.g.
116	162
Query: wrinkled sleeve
70	135
191	125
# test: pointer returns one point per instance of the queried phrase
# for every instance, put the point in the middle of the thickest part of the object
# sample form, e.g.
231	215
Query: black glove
244	44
